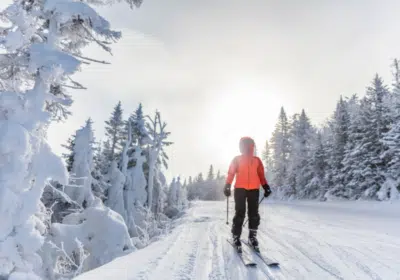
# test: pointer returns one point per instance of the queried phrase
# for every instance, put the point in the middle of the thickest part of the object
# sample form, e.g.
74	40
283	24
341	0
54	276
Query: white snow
101	230
311	240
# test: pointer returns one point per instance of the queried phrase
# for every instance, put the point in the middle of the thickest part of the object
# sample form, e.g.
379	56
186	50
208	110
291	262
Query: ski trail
309	240
218	264
327	245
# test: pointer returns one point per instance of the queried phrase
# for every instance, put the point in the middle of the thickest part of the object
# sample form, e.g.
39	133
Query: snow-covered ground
311	240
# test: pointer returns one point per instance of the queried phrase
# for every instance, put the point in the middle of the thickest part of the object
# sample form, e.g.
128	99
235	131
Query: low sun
247	108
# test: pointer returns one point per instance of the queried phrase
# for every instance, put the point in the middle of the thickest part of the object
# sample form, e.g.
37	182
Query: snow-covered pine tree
172	194
140	133
299	171
280	146
210	175
268	163
156	153
179	194
80	189
316	187
43	42
135	192
391	187
200	178
376	95
114	134
391	143
115	192
362	166
69	155
339	125
336	181
394	101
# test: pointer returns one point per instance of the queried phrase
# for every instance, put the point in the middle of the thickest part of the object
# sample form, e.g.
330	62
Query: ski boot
237	243
253	240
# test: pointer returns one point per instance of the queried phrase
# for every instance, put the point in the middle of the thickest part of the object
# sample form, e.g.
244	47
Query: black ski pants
241	195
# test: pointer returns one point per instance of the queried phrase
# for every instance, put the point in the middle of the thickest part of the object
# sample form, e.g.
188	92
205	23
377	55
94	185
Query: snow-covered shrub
80	189
101	231
135	192
115	192
26	163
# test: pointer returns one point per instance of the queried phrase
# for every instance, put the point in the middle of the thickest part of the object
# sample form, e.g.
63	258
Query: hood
246	146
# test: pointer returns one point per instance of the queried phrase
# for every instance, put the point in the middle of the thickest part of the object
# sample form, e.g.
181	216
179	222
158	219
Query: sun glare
247	108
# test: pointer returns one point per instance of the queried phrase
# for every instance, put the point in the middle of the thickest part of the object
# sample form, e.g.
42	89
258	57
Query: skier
249	172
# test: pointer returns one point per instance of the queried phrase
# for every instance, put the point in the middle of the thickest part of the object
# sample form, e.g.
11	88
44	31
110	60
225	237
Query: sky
221	69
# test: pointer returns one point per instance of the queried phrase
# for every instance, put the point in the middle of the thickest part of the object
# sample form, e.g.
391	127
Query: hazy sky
221	69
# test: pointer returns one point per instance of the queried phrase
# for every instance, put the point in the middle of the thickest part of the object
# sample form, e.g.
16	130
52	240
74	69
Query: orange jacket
249	172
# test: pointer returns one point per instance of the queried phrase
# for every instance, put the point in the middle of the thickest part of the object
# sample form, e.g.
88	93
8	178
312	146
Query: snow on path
311	240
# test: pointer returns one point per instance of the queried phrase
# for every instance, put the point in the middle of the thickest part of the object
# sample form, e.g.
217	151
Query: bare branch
65	196
73	87
89	59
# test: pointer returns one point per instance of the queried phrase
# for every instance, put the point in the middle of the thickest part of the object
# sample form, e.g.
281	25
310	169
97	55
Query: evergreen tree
301	137
157	156
268	162
340	134
280	146
391	140
210	175
82	167
140	134
360	165
375	97
200	178
316	187
69	156
114	133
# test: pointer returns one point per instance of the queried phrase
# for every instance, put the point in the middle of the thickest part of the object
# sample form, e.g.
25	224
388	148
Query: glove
267	190
227	190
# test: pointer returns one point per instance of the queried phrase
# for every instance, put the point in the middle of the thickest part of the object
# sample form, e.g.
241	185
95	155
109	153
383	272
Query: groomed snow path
311	240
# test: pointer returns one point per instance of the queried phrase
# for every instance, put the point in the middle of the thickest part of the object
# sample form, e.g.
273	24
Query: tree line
354	155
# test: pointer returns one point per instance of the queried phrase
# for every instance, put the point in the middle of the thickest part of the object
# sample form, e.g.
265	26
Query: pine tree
361	174
391	140
140	134
280	146
82	167
268	162
316	188
114	133
376	95
301	137
69	156
210	175
172	193
158	136
340	134
200	178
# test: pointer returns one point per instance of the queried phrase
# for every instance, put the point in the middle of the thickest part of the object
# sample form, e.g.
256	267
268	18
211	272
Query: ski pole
258	204
227	210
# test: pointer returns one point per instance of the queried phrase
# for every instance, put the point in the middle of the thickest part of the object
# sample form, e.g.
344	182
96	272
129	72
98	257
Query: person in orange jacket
249	172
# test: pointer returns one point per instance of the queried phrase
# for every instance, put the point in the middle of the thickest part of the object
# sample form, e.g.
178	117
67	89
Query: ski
244	257
266	260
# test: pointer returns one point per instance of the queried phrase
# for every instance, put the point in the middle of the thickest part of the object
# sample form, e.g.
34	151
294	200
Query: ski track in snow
310	240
